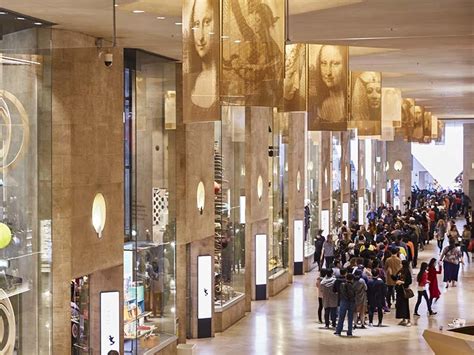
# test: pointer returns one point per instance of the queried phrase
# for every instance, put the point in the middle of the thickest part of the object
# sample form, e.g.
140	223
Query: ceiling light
237	41
160	17
20	18
38	23
116	5
178	23
138	11
3	13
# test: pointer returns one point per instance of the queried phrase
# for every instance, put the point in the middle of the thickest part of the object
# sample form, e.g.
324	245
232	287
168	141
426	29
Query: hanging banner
366	103
201	60
392	106
441	133
434	127
427	127
294	84
408	119
253	45
417	134
328	75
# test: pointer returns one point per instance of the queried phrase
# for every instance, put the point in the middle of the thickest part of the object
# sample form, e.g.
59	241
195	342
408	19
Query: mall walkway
287	323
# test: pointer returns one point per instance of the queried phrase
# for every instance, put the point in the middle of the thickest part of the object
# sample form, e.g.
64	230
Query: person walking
329	249
376	290
321	276
466	239
360	288
433	279
318	244
347	305
440	233
422	279
403	281
329	298
451	257
392	266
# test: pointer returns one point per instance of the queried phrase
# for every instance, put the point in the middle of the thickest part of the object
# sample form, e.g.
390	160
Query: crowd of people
365	269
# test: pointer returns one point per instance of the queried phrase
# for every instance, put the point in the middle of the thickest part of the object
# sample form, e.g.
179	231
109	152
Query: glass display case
312	184
230	200
150	202
25	187
80	304
278	166
336	201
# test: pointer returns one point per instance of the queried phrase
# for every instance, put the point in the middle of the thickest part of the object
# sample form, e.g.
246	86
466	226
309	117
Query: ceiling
424	47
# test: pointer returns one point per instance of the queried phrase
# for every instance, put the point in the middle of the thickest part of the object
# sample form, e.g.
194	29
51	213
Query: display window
354	156
150	202
25	186
336	204
80	304
312	187
230	202
278	165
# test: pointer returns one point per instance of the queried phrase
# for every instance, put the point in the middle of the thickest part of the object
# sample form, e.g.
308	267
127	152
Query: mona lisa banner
327	87
294	84
253	48
201	60
366	103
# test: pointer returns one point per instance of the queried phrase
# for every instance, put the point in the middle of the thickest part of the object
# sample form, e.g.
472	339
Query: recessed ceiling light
20	18
160	17
237	41
138	11
178	23
3	13
38	23
116	5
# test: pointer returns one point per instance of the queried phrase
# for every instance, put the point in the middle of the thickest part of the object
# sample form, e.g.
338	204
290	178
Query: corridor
287	323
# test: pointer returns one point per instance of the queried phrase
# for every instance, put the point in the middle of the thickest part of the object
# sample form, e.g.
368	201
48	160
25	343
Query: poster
253	48
110	321
328	75
408	119
392	106
427	127
366	103
298	235
201	60
434	127
417	131
294	84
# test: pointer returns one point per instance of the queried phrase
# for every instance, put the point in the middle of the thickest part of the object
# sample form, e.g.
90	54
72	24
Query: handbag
470	247
408	293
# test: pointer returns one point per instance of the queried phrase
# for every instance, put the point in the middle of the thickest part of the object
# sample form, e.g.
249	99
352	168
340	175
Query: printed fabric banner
294	88
327	87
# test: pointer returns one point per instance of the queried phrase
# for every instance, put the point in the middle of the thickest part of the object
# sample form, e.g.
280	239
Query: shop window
150	202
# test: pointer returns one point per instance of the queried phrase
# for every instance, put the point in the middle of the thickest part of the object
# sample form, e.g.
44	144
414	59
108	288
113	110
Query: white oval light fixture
310	166
200	197
387	166
398	165
99	214
346	173
361	171
325	176
298	181
259	187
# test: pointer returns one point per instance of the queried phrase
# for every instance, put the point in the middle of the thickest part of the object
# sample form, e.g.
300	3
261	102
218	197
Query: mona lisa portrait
366	103
328	82
200	60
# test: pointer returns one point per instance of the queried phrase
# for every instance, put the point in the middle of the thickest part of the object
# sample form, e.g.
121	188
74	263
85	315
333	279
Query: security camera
108	59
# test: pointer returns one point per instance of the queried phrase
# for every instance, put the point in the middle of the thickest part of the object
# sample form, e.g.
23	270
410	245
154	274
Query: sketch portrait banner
408	119
201	60
328	79
441	133
392	106
366	103
294	84
253	45
417	131
427	127
434	127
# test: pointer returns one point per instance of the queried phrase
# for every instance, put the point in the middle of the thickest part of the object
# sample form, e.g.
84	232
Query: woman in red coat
433	280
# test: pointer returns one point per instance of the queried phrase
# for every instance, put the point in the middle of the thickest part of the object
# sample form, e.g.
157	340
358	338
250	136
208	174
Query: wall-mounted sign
204	288
325	221
384	195
261	267
298	235
242	209
109	321
345	212
361	210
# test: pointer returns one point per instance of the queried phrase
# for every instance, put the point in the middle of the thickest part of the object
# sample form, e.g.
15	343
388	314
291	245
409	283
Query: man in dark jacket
318	244
376	292
347	305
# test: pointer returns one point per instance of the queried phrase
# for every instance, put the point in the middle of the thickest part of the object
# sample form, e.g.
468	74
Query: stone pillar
468	160
346	171
399	150
326	177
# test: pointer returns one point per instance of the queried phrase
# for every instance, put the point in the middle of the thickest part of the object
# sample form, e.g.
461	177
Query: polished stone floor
287	323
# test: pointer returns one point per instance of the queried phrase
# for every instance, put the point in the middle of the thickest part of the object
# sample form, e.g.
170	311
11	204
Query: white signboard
204	287
242	209
384	195
361	211
109	321
298	240
345	212
325	221
261	259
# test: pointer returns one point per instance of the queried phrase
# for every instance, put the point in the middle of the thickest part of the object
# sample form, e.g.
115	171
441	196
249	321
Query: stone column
468	160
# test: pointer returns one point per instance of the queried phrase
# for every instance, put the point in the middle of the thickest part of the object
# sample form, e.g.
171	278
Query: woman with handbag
422	280
451	257
404	293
